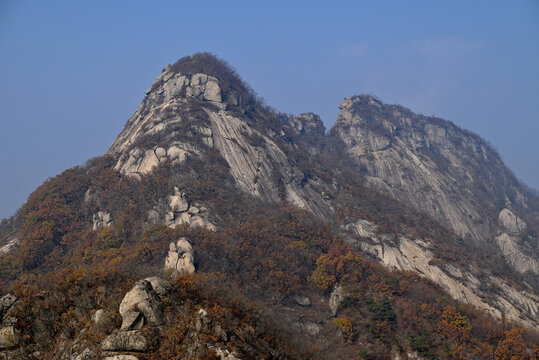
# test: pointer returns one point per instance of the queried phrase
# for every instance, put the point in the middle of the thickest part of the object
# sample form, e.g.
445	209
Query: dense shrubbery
242	271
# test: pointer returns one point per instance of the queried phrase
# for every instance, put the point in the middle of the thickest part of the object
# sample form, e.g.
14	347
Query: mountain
217	227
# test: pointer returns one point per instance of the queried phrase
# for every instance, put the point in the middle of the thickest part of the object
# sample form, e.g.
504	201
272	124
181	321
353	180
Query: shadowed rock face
447	173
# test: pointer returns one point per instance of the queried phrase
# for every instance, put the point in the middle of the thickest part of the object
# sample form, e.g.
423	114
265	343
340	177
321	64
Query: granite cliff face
186	115
446	172
457	179
449	174
414	193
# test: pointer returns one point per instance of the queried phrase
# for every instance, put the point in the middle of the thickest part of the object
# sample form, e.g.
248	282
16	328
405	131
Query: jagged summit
210	64
361	99
204	77
368	107
429	162
200	105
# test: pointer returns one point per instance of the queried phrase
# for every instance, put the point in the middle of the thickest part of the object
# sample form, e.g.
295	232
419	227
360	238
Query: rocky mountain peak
362	99
308	124
308	130
204	77
199	105
423	159
386	119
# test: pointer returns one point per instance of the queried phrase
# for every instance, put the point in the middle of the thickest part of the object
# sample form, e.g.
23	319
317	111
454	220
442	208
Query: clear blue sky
73	72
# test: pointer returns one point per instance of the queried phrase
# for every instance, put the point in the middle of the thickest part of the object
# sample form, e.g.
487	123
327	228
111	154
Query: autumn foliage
253	266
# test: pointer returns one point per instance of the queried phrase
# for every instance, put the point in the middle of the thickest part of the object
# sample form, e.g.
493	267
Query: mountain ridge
202	153
455	199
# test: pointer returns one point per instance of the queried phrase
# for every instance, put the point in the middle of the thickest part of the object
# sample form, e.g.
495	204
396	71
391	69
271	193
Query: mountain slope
266	234
455	178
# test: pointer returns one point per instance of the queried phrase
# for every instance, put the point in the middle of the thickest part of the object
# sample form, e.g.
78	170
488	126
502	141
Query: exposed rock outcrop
302	300
516	254
141	162
125	341
100	317
12	243
461	284
142	305
121	357
9	338
225	354
450	175
309	131
182	212
308	327
203	326
102	219
427	162
510	222
260	168
6	302
335	298
180	259
446	173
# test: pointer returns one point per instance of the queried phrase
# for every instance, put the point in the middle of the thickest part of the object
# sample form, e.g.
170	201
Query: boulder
160	286
184	218
199	79
132	320
510	222
6	302
178	202
176	154
9	338
302	300
212	91
180	258
173	85
102	219
153	217
99	317
202	320
160	152
121	357
308	327
143	299
125	341
335	299
137	162
225	354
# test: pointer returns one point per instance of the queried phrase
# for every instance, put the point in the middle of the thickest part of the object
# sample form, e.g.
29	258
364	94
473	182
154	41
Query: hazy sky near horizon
72	73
